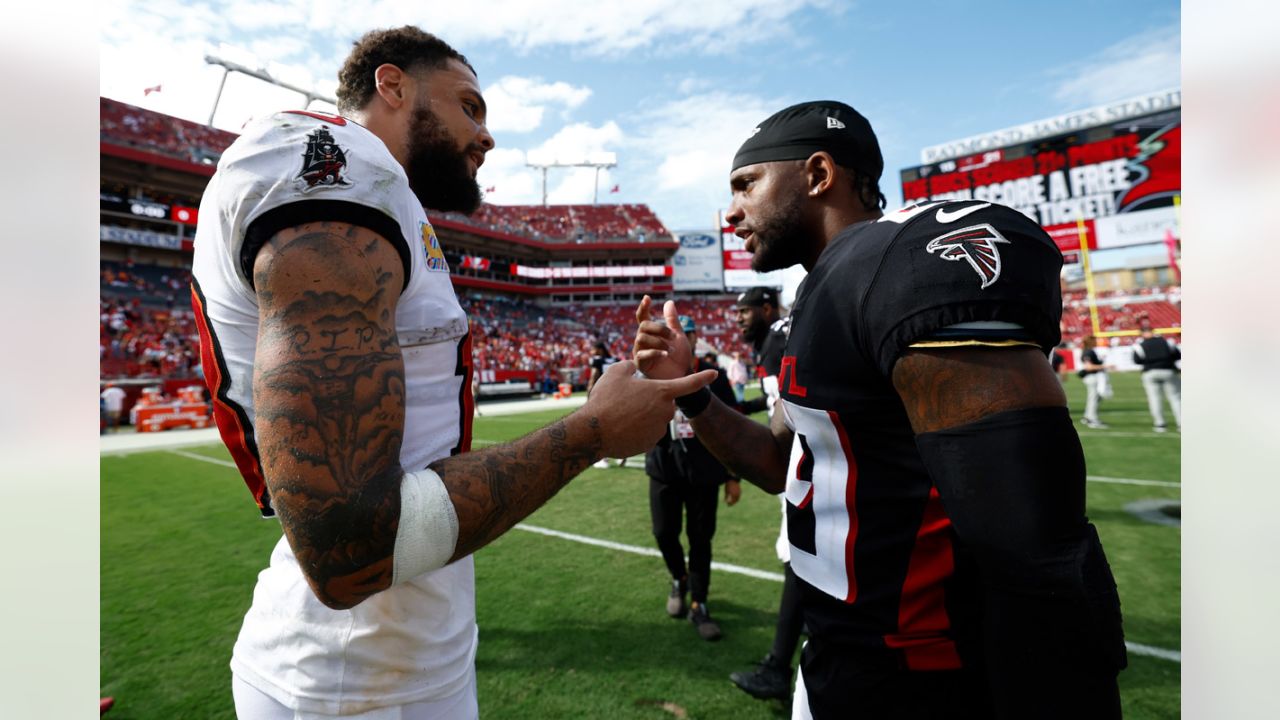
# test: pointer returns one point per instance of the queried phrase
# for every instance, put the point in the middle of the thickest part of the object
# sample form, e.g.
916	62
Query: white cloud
687	147
693	84
602	27
1145	62
512	182
517	104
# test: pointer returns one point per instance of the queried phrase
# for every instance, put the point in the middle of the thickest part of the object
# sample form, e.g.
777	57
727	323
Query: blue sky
671	86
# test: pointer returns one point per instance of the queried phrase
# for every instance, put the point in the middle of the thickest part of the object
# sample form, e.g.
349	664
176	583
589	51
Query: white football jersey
415	641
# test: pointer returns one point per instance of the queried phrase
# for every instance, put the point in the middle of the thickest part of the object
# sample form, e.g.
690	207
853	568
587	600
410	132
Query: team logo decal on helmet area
323	162
975	245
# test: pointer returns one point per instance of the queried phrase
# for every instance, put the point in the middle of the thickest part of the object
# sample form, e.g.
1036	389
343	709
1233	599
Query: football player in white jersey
340	362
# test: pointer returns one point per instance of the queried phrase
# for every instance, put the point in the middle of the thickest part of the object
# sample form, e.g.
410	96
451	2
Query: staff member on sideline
685	480
1160	374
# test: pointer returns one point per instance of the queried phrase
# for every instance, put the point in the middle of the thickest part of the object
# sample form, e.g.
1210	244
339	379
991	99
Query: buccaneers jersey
286	170
867	531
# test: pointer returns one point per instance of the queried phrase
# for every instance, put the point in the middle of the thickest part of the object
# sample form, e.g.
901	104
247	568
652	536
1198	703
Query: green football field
568	629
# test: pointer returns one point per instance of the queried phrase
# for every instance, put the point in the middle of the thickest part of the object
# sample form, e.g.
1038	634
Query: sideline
130	442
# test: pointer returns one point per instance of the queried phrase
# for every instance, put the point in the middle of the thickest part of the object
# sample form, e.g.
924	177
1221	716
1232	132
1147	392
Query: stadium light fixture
544	160
229	67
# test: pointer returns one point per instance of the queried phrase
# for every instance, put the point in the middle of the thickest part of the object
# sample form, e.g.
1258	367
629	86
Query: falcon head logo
975	245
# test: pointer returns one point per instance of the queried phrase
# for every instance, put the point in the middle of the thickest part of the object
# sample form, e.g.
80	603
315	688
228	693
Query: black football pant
790	618
844	682
667	503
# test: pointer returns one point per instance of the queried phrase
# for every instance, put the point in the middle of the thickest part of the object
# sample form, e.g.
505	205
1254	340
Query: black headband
799	131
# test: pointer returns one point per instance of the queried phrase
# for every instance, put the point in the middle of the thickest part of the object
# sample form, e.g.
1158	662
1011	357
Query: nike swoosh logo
945	217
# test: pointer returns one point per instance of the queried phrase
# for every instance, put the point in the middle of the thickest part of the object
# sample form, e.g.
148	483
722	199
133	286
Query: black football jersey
768	357
768	360
868	533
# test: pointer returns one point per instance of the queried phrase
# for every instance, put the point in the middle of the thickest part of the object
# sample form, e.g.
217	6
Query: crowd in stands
147	328
1120	310
570	223
139	341
557	342
124	124
151	286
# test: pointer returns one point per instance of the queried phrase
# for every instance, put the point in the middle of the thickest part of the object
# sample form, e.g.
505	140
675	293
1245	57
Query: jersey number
822	520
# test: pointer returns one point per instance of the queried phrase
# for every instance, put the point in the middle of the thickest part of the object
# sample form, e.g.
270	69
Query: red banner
1067	237
184	215
737	260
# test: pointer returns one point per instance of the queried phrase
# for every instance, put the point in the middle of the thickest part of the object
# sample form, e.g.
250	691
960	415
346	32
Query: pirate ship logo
323	163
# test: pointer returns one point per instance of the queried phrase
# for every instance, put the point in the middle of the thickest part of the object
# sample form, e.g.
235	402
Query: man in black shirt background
685	480
762	325
1160	374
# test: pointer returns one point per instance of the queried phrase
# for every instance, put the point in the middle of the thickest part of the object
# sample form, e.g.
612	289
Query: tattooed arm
329	394
329	398
955	386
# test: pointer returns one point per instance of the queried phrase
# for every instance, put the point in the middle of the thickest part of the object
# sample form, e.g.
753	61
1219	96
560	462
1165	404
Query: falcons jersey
867	530
286	170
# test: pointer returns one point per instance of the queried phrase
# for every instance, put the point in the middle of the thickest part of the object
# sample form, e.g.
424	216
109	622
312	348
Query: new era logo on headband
834	124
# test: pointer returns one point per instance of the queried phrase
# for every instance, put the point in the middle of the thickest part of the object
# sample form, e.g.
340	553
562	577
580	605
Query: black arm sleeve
1013	485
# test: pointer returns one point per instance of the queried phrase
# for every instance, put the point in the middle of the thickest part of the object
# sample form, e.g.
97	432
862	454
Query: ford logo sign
697	241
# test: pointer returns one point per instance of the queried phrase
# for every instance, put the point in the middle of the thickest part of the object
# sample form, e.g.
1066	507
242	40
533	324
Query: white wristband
428	530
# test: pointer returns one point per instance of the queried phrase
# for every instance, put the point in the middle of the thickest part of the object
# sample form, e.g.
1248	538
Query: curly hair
408	48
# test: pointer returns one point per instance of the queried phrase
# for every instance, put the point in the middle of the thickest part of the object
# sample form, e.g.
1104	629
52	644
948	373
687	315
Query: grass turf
567	630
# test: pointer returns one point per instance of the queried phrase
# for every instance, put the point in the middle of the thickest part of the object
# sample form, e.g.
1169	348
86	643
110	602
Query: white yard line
1135	648
1124	434
635	550
1132	481
1140	649
203	458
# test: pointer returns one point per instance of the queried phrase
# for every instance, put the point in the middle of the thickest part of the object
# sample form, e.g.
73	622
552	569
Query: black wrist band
694	403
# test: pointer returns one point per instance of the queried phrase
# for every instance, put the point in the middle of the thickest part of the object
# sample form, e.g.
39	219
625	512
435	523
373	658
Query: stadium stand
125	124
1121	310
513	335
571	223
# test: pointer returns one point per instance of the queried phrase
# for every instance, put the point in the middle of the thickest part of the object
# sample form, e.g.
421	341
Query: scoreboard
1117	168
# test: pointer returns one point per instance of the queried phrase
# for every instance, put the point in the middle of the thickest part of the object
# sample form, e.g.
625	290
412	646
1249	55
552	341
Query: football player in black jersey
759	317
601	358
933	478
